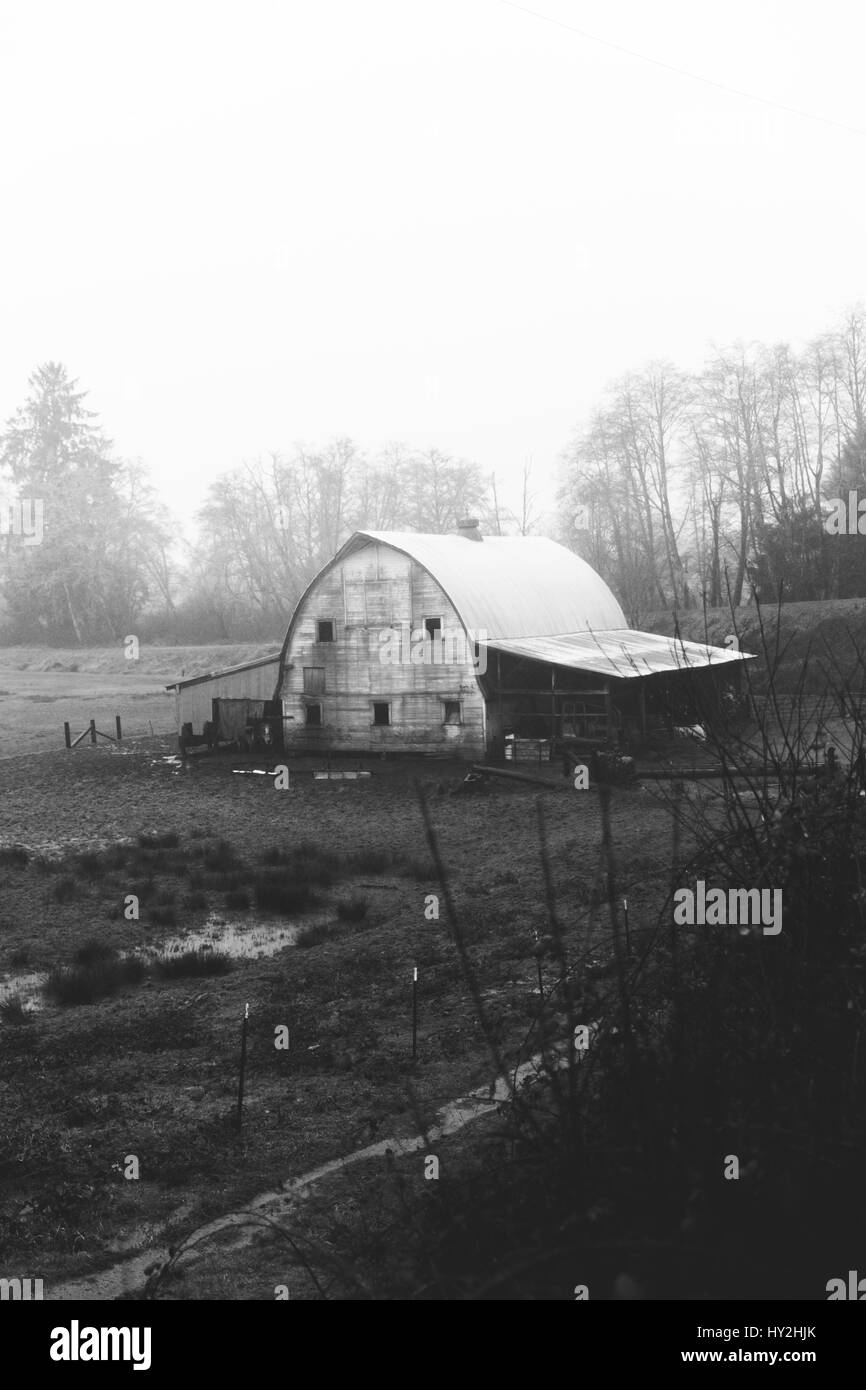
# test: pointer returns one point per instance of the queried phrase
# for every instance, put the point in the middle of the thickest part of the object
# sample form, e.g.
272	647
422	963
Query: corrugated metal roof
509	586
622	653
273	659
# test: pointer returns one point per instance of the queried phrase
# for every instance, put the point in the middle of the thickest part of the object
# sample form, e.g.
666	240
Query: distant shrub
274	855
352	909
16	856
221	857
279	892
169	839
115	856
164	916
12	1010
238	899
369	861
182	964
312	935
89	864
195	900
84	984
19	959
64	890
94	950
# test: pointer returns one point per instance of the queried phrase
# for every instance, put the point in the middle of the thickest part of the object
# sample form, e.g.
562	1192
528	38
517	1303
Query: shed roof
622	654
509	586
271	660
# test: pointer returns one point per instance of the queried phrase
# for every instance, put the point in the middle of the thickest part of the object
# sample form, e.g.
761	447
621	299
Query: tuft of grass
84	984
115	856
183	964
16	856
94	950
169	839
88	864
164	916
221	857
195	900
64	890
13	1012
274	855
312	935
352	909
278	891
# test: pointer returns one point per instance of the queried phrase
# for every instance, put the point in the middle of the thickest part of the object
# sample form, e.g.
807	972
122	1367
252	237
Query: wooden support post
93	731
67	734
117	725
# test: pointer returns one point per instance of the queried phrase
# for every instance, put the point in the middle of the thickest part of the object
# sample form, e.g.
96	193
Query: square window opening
381	712
452	712
433	628
325	630
314	716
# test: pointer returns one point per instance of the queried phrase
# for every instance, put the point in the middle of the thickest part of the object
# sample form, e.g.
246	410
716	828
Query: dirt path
128	1277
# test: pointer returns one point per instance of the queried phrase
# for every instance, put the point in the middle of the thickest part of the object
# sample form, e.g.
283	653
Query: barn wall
371	590
195	702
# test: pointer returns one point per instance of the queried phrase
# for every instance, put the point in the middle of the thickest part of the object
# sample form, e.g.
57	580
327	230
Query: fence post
240	1115
117	724
93	731
67	734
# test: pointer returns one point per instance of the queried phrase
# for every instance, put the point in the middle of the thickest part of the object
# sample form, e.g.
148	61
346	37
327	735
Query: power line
684	72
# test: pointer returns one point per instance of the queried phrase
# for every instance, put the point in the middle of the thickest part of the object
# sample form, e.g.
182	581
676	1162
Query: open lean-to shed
230	704
457	643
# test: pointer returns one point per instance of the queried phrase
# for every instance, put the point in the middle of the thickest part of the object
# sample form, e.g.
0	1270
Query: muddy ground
151	1070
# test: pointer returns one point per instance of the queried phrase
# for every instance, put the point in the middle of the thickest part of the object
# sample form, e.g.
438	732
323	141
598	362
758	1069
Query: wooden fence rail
94	733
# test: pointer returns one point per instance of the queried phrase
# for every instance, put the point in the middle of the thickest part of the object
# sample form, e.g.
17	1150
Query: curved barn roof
509	586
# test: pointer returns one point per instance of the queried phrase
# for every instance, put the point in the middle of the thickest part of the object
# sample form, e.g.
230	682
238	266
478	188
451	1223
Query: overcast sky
442	221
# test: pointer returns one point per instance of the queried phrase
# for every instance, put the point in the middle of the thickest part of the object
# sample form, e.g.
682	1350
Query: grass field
120	1030
41	688
144	1062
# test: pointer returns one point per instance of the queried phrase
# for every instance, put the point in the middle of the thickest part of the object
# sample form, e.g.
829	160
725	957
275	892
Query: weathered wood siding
371	590
194	702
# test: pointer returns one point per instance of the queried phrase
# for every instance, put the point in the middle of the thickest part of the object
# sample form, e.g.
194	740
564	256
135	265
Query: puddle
243	938
28	985
173	762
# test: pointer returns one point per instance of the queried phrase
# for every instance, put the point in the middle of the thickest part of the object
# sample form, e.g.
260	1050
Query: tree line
713	486
113	560
682	489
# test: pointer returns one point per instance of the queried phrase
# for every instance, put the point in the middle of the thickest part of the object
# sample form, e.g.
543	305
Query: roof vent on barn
470	527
